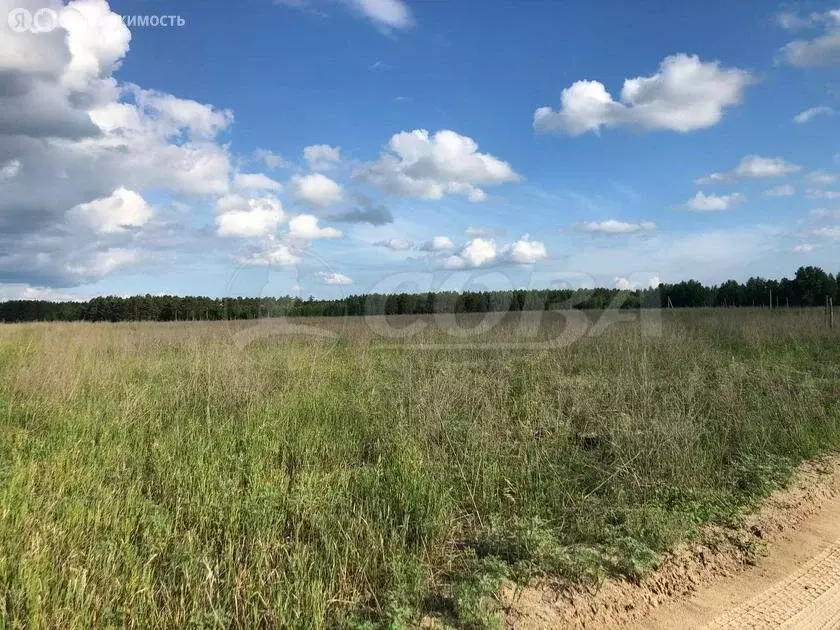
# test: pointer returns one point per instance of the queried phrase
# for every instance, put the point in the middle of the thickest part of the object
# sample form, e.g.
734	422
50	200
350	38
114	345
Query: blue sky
329	147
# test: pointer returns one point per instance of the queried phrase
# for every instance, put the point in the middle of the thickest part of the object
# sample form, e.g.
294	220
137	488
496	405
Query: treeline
809	287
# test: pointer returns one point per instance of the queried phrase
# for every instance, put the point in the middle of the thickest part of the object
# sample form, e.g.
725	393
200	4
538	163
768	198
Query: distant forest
809	287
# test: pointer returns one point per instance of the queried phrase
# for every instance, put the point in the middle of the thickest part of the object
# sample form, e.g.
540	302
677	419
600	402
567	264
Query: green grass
159	475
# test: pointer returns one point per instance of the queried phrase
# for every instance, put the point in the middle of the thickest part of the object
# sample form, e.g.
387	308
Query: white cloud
711	203
611	226
685	95
96	42
793	21
102	263
89	149
476	253
811	113
815	193
395	244
821	178
480	252
753	166
804	248
825	213
316	190
255	181
199	120
525	251
248	217
121	210
418	164
784	190
625	284
454	262
274	254
757	166
386	13
828	232
26	292
305	226
438	244
321	157
822	50
334	278
10	170
271	159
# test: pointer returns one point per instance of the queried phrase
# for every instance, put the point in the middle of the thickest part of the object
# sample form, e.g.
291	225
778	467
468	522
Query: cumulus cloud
305	226
81	152
316	190
418	164
813	112
625	284
395	244
121	210
685	95
438	244
821	50
753	166
386	13
784	190
712	203
255	181
612	226
525	251
321	157
201	121
821	178
271	159
274	253
334	278
476	253
481	252
248	216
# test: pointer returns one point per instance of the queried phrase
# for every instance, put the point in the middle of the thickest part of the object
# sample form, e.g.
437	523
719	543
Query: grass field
169	474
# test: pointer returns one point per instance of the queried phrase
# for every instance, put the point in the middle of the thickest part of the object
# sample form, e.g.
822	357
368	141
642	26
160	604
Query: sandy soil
793	582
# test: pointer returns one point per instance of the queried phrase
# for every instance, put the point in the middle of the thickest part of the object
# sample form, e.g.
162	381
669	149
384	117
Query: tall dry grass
200	474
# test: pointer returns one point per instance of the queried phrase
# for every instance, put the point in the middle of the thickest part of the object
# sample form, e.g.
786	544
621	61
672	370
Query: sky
337	147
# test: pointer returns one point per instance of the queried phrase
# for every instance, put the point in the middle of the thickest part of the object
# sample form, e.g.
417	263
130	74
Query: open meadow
371	471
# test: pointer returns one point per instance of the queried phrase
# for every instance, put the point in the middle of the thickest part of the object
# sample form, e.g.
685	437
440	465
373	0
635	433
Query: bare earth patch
721	570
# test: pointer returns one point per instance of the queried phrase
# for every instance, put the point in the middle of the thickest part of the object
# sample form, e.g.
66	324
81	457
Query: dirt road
710	583
796	585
